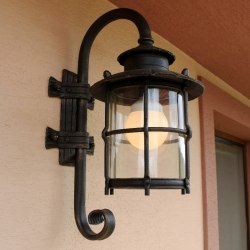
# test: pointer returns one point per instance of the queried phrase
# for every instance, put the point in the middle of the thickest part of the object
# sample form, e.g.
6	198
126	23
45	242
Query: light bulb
156	118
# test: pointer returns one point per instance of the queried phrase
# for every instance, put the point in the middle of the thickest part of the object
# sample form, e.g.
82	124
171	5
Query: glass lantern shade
146	129
145	137
166	149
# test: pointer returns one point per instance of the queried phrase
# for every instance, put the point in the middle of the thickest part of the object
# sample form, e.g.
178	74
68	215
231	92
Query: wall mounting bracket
68	139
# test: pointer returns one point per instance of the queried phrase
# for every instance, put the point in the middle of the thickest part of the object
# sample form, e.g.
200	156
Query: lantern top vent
146	57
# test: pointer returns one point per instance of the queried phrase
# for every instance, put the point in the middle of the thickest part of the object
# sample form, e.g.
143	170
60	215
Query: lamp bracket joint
70	88
69	140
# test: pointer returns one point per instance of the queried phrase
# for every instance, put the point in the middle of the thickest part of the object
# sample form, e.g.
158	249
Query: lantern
146	131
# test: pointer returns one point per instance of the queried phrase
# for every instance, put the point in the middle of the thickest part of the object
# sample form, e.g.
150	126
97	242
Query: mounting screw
106	74
185	72
55	137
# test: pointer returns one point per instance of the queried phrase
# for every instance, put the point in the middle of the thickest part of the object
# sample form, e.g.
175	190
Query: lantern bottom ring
139	183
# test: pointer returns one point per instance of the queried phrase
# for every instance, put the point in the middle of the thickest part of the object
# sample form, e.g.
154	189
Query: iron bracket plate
68	139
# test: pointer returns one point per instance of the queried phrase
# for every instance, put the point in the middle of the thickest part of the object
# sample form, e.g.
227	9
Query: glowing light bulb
156	118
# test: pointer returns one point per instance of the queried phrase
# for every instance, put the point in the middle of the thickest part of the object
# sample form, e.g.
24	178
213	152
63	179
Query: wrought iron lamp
146	131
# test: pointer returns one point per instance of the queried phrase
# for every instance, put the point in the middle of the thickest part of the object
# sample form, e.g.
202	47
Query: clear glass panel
172	103
168	160
125	160
166	150
123	105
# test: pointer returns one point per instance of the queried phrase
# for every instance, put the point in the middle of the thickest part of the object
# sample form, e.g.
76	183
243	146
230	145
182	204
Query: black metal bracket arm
104	215
76	99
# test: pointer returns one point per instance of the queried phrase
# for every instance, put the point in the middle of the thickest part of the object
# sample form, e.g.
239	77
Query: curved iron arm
99	24
105	215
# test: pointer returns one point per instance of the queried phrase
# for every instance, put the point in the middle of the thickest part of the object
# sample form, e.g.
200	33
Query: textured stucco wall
39	39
